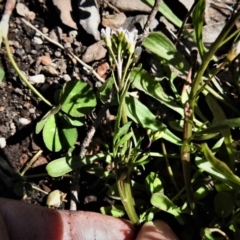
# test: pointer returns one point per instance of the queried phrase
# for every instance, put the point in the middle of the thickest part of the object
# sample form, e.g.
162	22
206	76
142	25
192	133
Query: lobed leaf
77	98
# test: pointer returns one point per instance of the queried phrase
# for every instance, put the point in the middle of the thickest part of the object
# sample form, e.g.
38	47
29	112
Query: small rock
18	90
22	9
114	21
39	78
95	52
24	121
67	45
20	52
32	110
2	109
37	40
3	142
26	104
50	70
45	30
66	78
57	54
102	69
16	44
46	60
56	34
73	34
130	6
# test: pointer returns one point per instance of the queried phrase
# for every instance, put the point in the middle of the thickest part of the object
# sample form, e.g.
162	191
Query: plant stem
125	192
20	74
189	107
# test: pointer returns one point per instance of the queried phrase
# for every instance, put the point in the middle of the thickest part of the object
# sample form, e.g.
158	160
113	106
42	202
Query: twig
33	160
185	20
150	19
69	53
76	174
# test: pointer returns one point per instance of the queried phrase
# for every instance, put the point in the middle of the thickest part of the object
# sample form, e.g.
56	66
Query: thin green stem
20	74
125	192
189	107
209	55
170	172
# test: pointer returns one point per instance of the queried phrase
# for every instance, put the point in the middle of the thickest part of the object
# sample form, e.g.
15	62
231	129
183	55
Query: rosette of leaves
59	125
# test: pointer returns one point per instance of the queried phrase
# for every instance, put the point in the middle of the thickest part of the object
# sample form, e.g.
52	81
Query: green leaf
219	126
160	201
223	204
122	131
219	116
43	121
141	115
206	234
77	98
77	122
153	183
68	136
160	45
113	210
166	12
124	139
143	81
198	16
51	136
63	165
219	168
2	74
105	90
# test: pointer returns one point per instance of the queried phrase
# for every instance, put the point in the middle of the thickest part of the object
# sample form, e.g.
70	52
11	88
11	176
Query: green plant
59	125
206	149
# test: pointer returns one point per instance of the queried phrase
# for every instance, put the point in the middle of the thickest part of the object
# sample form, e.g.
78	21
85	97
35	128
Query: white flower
106	35
131	40
132	36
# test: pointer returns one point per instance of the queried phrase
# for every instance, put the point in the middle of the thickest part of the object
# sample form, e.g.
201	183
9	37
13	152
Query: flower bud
106	35
137	54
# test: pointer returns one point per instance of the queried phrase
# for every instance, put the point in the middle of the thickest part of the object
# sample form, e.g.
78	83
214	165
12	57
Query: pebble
18	90
67	45
3	142
45	30
46	60
57	54
94	52
24	121
73	34
39	78
16	44
20	52
66	78
51	70
37	40
32	110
